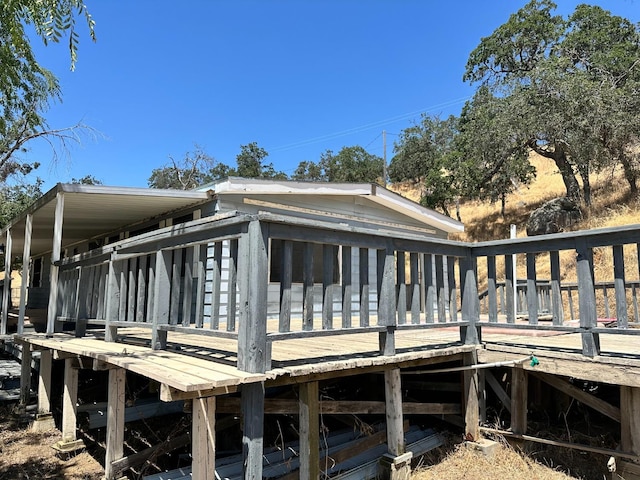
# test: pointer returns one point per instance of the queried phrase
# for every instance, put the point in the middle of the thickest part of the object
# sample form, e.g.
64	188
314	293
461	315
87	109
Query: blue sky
296	76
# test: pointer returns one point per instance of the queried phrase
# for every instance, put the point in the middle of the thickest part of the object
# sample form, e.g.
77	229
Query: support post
25	375
203	440
115	421
44	419
309	429
26	260
69	401
6	291
396	463
471	397
113	299
252	401
519	400
52	310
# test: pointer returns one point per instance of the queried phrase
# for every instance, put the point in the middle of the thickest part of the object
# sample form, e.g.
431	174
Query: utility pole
384	157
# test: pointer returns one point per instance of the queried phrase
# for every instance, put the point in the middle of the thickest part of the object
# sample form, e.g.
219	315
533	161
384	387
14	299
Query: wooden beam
252	429
115	421
52	309
519	400
44	382
69	401
203	451
592	401
142	457
394	412
26	262
630	419
25	374
499	391
309	428
471	398
170	394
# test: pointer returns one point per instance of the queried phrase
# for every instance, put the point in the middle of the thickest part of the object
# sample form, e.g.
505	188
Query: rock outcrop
553	217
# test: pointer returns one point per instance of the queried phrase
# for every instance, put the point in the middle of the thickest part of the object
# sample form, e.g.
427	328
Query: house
72	220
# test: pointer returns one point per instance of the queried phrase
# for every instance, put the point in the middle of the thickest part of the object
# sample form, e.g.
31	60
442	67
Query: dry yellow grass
465	463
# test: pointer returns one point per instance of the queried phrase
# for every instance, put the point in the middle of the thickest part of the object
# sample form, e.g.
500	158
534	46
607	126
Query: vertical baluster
509	284
122	306
607	312
329	253
571	310
200	261
187	296
346	286
132	290
363	279
112	296
415	287
401	288
557	311
141	301
442	314
286	276
151	293
453	295
215	285
532	294
620	286
430	288
232	301
102	282
307	288
491	289
176	277
634	297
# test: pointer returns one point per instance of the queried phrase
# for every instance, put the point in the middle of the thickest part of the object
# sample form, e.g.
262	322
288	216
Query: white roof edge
415	210
138	191
372	191
257	186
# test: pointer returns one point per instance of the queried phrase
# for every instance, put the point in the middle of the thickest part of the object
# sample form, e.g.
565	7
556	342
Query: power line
365	127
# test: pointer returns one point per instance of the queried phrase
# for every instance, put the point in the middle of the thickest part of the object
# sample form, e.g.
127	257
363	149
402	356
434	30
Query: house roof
91	210
367	191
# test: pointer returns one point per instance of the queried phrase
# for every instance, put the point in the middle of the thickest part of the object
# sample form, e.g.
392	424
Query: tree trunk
503	205
586	184
559	156
631	175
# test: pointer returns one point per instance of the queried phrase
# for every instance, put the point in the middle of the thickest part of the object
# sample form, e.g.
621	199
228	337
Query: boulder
553	217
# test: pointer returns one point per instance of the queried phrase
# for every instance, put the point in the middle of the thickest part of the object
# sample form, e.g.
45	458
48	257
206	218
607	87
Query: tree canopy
26	87
568	88
350	164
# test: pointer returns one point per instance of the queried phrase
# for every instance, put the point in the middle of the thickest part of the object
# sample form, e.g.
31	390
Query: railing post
162	299
587	300
113	299
470	303
253	275
387	299
429	288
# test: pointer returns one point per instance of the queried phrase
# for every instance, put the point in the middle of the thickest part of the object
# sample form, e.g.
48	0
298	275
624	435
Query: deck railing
258	279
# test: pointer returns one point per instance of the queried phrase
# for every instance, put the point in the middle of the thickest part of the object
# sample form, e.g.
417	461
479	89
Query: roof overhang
368	191
93	210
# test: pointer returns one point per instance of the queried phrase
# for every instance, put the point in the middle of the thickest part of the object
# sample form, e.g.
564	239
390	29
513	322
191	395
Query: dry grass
466	463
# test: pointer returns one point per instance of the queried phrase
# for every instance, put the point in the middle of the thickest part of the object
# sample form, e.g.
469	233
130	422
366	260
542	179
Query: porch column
6	291
115	421
52	312
203	439
26	260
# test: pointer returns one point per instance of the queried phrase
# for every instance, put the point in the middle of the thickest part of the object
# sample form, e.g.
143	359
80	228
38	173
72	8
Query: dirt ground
28	455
